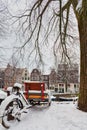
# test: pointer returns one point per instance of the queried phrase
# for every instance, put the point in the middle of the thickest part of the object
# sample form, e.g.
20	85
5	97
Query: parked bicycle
13	106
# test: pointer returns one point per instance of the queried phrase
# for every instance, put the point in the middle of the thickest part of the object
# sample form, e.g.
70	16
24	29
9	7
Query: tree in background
3	30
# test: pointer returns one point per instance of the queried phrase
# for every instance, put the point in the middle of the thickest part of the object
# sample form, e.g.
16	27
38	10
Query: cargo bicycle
13	107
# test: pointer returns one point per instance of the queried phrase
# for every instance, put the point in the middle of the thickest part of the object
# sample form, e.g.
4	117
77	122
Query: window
61	85
25	78
74	86
25	74
61	90
56	89
22	78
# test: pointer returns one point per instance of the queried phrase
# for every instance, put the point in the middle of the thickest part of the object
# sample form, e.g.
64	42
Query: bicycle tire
8	119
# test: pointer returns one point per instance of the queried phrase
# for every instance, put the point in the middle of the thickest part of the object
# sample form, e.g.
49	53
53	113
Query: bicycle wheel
12	113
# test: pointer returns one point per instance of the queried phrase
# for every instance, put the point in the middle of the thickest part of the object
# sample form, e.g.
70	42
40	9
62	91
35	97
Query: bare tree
35	22
3	30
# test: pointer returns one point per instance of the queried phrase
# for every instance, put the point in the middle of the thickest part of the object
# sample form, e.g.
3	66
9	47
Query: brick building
52	79
45	78
65	79
68	73
13	74
35	75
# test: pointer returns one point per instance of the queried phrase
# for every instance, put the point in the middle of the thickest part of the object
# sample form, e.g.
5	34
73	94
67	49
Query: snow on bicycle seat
17	85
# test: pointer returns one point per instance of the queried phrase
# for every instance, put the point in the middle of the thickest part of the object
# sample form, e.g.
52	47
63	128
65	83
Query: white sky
11	41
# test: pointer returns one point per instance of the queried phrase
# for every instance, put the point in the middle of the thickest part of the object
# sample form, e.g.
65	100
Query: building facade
13	75
2	75
66	79
25	75
35	75
52	79
45	79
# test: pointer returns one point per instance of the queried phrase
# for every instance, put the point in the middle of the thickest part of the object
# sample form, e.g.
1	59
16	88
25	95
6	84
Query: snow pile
9	89
60	116
3	94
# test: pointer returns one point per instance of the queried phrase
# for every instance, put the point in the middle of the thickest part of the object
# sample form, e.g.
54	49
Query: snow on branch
79	5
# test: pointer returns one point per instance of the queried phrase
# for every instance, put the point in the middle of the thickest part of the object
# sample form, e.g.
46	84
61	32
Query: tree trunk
82	25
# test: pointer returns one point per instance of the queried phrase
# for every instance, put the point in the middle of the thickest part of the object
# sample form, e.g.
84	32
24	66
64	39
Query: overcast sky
11	40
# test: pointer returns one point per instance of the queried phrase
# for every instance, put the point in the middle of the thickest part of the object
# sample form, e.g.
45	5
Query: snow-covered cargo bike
13	107
37	93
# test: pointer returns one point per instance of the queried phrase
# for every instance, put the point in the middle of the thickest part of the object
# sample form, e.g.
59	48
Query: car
53	98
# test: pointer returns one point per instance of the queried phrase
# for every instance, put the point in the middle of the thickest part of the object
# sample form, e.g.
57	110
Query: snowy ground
59	116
